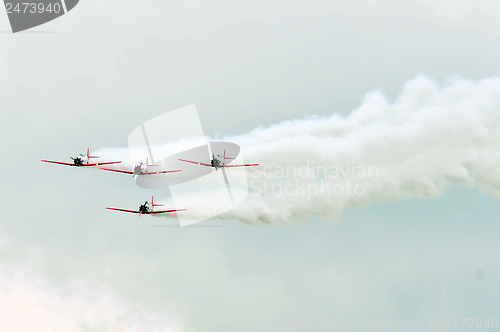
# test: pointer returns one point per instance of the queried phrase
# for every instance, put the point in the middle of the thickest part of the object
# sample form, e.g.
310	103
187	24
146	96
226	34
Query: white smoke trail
428	137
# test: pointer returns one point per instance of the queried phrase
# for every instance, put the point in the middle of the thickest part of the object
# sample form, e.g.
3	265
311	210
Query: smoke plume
430	136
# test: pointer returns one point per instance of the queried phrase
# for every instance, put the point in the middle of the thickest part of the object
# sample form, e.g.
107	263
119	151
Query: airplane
146	208
140	169
217	162
81	160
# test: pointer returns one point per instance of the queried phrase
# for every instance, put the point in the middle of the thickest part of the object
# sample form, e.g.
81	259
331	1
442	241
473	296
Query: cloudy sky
89	78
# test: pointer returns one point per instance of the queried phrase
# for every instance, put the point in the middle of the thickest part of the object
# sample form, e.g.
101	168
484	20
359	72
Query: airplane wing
238	165
83	165
117	170
123	210
160	172
58	162
105	163
164	211
195	162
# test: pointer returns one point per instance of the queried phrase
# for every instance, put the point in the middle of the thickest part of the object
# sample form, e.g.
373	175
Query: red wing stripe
189	161
58	162
109	162
195	162
117	170
160	172
238	165
106	163
175	170
163	211
123	210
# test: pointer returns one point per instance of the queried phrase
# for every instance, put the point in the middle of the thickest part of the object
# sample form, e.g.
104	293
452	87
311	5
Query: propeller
78	160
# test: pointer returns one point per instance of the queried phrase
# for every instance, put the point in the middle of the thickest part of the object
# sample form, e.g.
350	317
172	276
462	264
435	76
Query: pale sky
90	77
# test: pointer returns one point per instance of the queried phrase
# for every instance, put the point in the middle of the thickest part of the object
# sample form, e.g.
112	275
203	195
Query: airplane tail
225	156
153	202
147	162
89	156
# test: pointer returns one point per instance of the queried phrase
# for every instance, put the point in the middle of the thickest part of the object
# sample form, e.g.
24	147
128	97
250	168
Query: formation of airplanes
143	169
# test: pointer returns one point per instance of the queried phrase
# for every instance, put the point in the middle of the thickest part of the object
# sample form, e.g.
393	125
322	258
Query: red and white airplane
82	160
217	162
146	208
141	169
